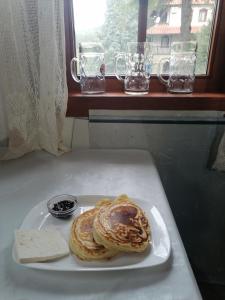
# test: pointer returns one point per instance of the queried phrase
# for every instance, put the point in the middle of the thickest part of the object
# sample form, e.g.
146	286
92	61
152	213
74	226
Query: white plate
158	253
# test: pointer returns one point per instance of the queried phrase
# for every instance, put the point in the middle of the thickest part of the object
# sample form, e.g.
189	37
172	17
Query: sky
91	14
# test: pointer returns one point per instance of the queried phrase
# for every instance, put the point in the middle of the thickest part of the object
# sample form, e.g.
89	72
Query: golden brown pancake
122	226
81	237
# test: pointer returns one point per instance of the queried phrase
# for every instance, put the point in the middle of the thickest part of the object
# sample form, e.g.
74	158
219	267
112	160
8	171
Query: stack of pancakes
109	228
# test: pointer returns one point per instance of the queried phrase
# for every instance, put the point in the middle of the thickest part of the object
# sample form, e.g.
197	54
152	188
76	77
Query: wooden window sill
79	104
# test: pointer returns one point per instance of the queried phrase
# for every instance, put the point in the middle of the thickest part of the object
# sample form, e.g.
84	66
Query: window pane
181	20
112	22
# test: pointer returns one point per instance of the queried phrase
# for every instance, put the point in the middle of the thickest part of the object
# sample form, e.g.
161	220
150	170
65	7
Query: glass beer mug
138	61
180	67
91	68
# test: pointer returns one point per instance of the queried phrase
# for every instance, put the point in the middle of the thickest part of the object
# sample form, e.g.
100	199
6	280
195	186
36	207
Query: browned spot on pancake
123	215
87	224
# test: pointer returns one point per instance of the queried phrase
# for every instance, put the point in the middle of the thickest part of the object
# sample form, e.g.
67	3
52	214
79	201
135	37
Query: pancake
81	241
122	226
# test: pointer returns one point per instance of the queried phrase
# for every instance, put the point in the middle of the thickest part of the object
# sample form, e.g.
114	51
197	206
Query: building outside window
165	41
202	15
163	16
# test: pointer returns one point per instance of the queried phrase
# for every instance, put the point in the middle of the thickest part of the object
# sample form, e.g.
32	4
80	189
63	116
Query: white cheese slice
35	245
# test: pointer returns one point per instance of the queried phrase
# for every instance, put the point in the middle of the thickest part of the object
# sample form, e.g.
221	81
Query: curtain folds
33	75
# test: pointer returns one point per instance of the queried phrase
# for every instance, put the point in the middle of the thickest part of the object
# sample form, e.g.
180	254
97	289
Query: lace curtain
33	75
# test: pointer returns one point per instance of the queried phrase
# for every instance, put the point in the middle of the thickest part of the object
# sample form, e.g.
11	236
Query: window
165	41
115	22
165	67
202	15
163	16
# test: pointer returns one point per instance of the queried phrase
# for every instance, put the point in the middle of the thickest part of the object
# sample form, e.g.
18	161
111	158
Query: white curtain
33	75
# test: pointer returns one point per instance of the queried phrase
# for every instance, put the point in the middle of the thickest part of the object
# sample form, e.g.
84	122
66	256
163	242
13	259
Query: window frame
213	82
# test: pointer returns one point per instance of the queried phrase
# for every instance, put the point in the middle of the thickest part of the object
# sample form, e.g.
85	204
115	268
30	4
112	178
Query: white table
38	176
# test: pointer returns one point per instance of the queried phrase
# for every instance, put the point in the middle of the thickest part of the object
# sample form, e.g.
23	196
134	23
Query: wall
196	11
195	193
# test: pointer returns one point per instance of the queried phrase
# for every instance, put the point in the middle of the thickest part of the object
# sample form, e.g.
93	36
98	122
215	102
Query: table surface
38	176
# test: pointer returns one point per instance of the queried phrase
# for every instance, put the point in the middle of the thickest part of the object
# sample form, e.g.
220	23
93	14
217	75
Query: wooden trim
214	37
70	42
79	104
217	57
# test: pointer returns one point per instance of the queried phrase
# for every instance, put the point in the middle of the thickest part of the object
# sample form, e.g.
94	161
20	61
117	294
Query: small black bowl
62	206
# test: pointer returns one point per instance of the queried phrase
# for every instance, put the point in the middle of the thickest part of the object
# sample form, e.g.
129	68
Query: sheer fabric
33	74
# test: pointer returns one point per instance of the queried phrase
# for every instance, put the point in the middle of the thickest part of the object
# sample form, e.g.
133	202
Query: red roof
166	29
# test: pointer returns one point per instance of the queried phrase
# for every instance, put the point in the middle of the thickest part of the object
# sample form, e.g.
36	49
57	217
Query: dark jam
63	205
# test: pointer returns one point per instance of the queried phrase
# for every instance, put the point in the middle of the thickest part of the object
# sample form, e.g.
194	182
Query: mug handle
102	72
160	76
120	56
73	65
